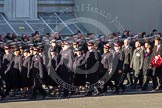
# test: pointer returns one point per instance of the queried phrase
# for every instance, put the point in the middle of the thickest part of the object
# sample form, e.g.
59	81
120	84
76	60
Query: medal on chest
137	54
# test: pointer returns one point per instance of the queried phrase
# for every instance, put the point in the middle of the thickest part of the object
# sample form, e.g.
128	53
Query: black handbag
149	72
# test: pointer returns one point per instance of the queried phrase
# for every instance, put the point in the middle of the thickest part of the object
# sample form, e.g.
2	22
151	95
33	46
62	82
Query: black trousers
1	89
108	83
117	80
127	74
37	86
158	74
140	79
67	76
146	80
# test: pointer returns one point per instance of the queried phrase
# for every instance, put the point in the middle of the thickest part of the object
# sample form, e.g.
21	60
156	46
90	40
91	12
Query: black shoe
122	90
139	87
123	87
65	96
12	95
6	93
134	87
32	98
143	89
104	91
116	92
3	96
89	94
130	85
44	96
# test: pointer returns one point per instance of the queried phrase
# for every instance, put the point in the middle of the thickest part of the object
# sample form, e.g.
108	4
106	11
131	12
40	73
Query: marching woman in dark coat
5	62
36	74
79	78
13	71
65	66
107	62
147	69
44	62
53	62
92	65
117	77
25	71
51	73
